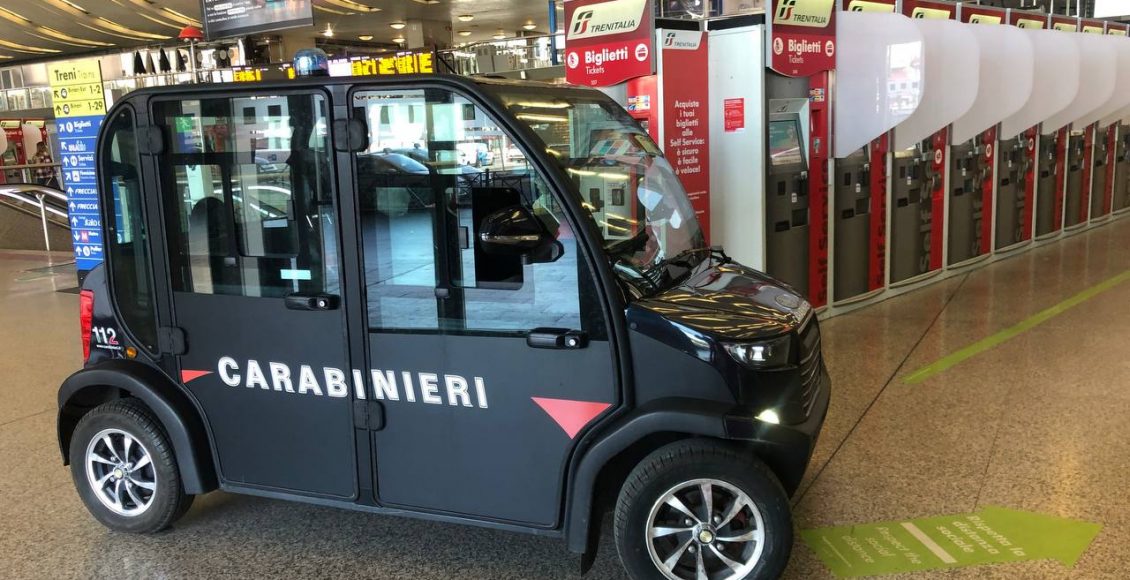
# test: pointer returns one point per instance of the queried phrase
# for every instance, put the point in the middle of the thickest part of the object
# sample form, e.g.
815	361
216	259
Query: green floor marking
991	536
1027	324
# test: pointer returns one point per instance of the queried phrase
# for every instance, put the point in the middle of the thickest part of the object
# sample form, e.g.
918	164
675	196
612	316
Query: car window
249	197
426	268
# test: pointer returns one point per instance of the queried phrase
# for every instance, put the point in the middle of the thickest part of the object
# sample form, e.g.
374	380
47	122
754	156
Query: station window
435	166
127	241
249	195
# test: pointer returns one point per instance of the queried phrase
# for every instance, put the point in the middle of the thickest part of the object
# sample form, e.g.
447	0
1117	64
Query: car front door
479	421
249	208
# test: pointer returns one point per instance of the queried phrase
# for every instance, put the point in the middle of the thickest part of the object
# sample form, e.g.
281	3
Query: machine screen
784	143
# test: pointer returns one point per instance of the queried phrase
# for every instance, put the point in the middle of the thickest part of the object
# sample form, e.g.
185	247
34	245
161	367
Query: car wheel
697	510
124	469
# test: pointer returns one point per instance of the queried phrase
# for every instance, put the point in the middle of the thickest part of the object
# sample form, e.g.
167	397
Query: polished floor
1038	422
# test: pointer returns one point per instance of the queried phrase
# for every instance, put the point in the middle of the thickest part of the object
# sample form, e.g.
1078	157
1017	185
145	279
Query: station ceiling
41	29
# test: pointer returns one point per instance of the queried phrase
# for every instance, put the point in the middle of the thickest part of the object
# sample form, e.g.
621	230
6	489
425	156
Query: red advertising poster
733	115
608	41
686	123
1028	19
938	199
876	266
802	36
988	183
643	103
1032	154
926	9
1111	161
820	144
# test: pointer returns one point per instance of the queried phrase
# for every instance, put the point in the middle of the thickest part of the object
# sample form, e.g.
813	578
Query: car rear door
253	260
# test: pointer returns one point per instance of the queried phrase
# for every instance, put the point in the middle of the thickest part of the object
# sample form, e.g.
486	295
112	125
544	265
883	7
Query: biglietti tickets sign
802	36
608	41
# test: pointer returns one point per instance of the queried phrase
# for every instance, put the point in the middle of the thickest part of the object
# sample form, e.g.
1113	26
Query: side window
437	168
127	241
249	195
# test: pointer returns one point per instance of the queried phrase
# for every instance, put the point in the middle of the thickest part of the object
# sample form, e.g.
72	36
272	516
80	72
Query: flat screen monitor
785	147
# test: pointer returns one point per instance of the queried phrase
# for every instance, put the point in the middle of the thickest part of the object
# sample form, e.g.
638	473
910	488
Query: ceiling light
464	33
365	37
328	32
466	17
529	25
399	39
397	25
499	35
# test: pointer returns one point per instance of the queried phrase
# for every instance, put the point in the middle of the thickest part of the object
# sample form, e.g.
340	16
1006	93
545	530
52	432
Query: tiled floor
1037	423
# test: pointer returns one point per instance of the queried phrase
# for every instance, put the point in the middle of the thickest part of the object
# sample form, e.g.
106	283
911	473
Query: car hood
732	302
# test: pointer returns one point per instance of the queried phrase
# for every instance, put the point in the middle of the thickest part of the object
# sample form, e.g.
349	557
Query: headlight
762	354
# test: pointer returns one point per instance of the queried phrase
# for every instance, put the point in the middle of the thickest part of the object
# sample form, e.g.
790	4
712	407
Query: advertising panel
224	18
973	14
608	42
686	126
802	37
1117	28
1065	23
927	9
1092	26
80	104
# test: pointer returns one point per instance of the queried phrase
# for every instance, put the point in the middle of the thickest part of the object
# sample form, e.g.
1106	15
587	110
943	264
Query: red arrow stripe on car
186	375
572	416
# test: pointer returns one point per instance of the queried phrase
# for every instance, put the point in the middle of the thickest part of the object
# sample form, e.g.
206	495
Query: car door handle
559	338
312	301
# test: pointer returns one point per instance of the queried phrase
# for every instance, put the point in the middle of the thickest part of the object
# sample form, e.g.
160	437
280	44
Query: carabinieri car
524	346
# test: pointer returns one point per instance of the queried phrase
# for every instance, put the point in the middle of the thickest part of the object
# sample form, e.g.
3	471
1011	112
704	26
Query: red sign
733	115
802	36
608	41
686	119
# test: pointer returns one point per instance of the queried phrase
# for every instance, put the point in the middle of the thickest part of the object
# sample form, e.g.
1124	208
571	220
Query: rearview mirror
516	231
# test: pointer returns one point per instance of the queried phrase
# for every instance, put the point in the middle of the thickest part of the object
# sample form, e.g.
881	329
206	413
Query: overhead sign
1028	19
1065	23
1092	26
802	36
80	104
993	535
924	9
224	18
608	41
683	69
1117	29
870	6
979	15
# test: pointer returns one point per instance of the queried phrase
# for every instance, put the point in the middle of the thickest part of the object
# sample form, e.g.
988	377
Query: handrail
37	197
29	166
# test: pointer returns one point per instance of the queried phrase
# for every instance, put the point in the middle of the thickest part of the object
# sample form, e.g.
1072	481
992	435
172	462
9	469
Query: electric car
528	351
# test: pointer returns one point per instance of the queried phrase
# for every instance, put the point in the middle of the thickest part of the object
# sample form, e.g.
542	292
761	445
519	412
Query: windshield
633	195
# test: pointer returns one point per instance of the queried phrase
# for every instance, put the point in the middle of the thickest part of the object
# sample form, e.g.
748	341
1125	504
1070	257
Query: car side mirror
516	231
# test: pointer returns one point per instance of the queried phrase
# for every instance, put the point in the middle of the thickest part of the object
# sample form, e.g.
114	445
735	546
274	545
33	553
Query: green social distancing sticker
993	535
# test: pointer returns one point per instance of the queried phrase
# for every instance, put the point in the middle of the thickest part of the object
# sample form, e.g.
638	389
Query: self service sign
608	42
80	104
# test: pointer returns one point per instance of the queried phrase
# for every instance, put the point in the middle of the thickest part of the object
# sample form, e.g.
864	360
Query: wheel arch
619	447
115	379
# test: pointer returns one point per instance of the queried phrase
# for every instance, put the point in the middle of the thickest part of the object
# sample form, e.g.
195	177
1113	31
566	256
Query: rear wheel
124	469
700	510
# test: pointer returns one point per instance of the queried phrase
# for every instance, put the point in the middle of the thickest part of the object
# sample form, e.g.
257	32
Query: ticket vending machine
917	177
787	189
1121	199
851	212
1014	169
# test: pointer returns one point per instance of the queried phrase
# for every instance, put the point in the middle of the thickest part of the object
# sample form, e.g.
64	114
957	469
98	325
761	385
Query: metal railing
21	191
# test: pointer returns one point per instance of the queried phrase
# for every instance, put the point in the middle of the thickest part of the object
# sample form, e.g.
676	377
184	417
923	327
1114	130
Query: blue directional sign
77	136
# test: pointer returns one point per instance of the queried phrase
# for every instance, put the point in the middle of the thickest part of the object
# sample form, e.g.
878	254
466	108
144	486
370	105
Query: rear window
127	241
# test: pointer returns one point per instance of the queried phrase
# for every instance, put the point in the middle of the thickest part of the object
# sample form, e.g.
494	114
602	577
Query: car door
256	289
477	421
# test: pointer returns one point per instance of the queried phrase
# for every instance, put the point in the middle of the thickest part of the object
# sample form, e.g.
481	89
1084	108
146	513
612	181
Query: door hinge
368	415
171	340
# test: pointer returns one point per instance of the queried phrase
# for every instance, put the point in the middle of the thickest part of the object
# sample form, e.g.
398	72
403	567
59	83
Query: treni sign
802	37
608	42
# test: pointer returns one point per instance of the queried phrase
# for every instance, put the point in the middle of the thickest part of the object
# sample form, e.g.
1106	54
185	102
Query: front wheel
124	470
700	510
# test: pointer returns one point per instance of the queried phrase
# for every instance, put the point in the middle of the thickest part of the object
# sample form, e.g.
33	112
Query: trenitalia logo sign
808	13
606	19
682	39
866	6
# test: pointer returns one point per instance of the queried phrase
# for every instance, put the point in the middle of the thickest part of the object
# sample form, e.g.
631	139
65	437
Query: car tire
750	523
124	469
